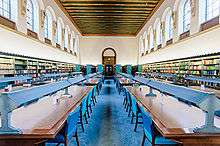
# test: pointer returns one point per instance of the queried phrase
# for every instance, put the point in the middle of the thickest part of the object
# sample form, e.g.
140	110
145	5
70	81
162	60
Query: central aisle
109	124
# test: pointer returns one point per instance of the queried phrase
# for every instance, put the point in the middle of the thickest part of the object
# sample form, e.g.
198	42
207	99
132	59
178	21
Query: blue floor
109	124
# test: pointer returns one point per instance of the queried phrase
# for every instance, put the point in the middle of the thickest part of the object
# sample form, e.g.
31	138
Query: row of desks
174	119
42	120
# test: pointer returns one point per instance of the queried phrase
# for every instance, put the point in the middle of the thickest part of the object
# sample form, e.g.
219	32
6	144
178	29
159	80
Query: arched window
76	44
208	9
8	9
48	26
158	34
168	26
141	45
184	16
145	40
30	15
66	38
71	42
59	33
151	39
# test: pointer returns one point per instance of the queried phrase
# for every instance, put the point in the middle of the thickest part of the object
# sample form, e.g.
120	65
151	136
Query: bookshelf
14	65
208	65
6	66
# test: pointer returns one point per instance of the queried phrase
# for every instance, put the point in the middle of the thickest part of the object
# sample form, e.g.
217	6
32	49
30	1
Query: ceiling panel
110	17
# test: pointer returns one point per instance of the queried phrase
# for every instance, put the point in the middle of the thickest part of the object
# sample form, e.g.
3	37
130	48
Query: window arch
169	26
145	42
32	15
59	32
158	33
8	9
184	16
66	37
48	25
76	44
151	38
141	45
208	9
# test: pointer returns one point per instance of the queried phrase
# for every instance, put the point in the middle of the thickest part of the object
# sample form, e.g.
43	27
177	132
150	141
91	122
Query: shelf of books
17	65
197	66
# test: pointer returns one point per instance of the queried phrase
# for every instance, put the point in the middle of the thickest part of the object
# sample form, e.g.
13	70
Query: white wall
15	43
199	43
91	49
206	43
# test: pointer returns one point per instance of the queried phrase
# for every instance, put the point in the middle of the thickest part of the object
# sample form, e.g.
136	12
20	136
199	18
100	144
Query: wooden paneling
110	17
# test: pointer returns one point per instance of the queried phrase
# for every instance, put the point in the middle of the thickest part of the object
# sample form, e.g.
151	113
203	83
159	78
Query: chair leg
86	118
77	139
81	122
93	101
129	112
132	117
87	110
90	107
143	140
127	107
135	128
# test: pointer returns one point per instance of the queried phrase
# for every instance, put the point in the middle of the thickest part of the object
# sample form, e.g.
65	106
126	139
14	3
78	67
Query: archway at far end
109	60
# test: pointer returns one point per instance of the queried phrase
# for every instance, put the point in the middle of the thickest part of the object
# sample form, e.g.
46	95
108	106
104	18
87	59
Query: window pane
5	8
30	15
186	16
46	27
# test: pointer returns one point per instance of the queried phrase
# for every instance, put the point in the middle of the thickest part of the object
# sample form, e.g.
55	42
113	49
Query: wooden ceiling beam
110	16
106	14
109	5
113	16
84	8
108	11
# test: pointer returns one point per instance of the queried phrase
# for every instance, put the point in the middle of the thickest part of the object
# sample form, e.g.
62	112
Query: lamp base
207	129
9	130
67	95
150	95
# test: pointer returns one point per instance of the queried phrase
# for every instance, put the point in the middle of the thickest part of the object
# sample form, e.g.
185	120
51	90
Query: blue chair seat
159	139
58	139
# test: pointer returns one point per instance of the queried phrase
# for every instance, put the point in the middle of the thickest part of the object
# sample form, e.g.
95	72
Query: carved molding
23	4
193	7
54	25
163	28
174	17
63	34
42	18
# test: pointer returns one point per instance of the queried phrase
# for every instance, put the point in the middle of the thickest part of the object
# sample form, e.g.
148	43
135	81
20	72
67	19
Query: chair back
89	97
133	104
71	123
147	124
83	105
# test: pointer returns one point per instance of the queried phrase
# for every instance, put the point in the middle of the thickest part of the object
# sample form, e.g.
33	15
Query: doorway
109	60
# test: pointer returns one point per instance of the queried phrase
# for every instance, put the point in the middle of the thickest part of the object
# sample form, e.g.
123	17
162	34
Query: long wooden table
174	119
43	120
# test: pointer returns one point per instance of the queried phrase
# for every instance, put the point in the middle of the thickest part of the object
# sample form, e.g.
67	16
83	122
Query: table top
217	92
173	118
125	81
46	117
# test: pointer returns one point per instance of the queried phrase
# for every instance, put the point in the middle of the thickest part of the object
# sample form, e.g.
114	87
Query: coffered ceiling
110	17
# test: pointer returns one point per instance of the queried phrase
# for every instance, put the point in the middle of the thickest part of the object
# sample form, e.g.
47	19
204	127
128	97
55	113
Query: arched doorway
109	60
